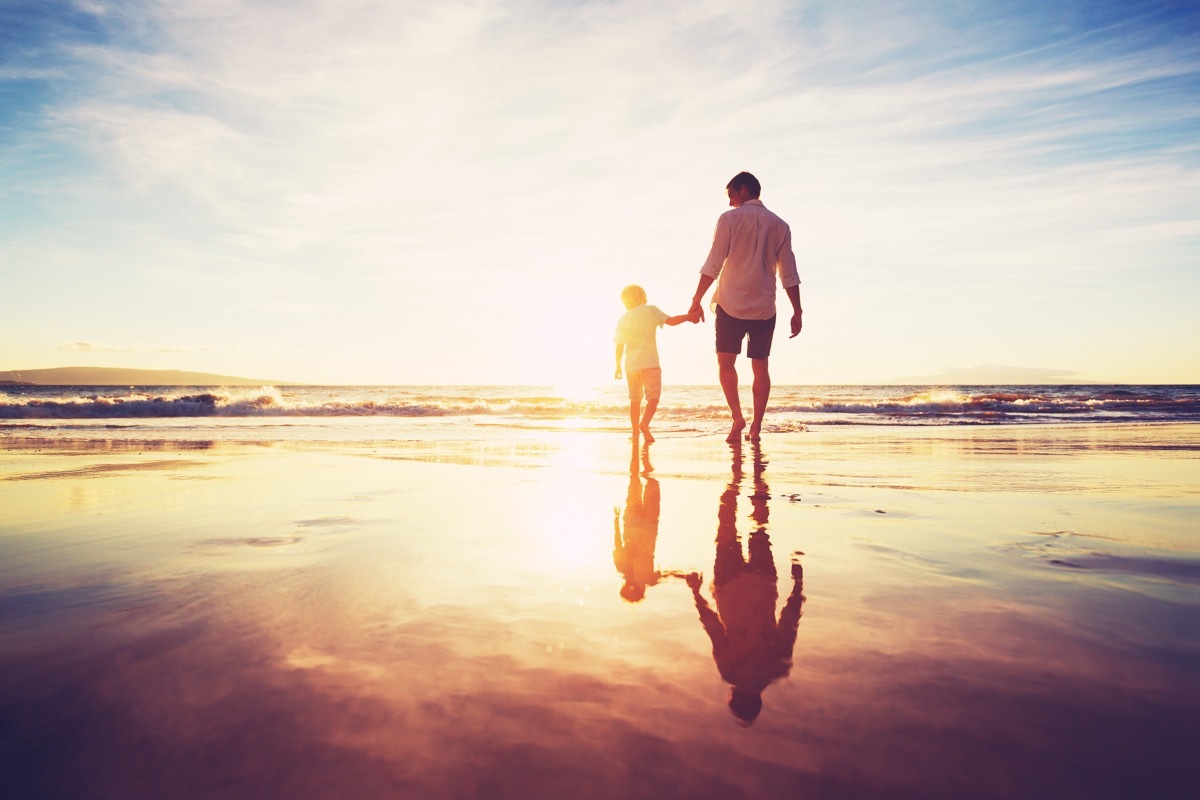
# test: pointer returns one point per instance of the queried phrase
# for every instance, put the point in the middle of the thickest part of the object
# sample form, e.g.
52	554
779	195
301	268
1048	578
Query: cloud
100	347
385	125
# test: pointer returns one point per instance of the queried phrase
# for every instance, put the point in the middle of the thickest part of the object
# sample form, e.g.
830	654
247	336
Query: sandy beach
987	612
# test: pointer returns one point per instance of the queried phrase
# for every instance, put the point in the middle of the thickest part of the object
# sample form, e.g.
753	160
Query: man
751	246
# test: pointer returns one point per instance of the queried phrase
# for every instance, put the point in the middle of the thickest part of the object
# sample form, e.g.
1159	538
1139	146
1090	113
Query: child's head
633	296
632	591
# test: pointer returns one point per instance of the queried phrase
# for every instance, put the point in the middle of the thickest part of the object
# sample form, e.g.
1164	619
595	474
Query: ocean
383	410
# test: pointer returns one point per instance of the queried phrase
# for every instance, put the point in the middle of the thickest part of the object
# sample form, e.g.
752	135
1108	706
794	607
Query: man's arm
620	353
793	293
793	609
708	618
712	265
697	309
789	278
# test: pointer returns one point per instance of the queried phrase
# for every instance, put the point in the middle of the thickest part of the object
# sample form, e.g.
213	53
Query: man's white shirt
751	246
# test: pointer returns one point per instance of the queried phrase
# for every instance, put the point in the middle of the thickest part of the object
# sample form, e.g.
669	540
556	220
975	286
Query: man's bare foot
735	434
646	437
754	434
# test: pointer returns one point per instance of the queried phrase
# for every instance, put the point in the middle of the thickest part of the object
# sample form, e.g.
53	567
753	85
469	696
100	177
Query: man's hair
633	295
744	180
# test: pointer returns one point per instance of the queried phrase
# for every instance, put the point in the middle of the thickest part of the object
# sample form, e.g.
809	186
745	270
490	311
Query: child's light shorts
647	382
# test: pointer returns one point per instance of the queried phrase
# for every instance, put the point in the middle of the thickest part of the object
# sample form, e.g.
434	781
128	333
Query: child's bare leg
651	407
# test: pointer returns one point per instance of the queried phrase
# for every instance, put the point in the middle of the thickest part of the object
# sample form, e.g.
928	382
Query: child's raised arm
680	318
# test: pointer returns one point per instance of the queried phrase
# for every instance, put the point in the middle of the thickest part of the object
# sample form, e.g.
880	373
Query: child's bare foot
646	437
735	434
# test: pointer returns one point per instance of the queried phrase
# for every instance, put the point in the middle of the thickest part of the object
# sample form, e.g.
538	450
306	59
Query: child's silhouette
633	550
637	343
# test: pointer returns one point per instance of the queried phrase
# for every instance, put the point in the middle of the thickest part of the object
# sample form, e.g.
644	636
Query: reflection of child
633	551
636	341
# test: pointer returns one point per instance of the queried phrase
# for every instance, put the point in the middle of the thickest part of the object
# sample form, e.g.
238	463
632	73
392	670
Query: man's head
743	187
633	296
745	705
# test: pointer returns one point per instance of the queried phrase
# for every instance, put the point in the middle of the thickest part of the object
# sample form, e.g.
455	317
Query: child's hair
633	295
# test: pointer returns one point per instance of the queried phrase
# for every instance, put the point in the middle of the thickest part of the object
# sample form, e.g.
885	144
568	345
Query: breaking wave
809	405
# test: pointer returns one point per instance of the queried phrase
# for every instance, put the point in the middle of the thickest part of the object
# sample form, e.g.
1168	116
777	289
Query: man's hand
797	323
696	312
698	296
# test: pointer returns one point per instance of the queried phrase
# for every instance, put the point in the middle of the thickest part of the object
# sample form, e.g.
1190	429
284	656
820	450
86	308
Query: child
636	341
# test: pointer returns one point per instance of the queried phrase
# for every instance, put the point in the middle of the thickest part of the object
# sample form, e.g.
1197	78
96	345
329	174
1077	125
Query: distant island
117	376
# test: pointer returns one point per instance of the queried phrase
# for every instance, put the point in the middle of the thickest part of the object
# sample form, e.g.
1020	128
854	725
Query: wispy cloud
383	127
100	347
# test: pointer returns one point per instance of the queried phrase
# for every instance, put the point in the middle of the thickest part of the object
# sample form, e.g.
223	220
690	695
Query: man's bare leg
729	384
635	412
762	393
651	407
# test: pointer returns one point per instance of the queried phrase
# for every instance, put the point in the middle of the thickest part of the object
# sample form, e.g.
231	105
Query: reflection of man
751	649
633	551
751	248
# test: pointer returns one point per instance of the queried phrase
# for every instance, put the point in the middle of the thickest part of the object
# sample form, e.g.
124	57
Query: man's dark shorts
731	331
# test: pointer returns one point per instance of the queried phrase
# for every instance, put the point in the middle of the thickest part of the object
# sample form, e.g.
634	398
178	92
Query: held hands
695	313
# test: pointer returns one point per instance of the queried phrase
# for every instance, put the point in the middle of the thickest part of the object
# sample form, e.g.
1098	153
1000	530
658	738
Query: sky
371	192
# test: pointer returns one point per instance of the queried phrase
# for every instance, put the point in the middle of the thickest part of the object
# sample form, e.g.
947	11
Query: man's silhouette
750	648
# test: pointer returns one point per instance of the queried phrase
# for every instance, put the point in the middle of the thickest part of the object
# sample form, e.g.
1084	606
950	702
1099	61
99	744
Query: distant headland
118	376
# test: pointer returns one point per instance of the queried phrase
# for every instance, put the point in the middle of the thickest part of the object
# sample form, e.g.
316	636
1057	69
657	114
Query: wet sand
983	612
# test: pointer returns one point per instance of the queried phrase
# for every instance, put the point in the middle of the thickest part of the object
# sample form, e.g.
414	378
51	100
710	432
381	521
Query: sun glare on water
575	397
